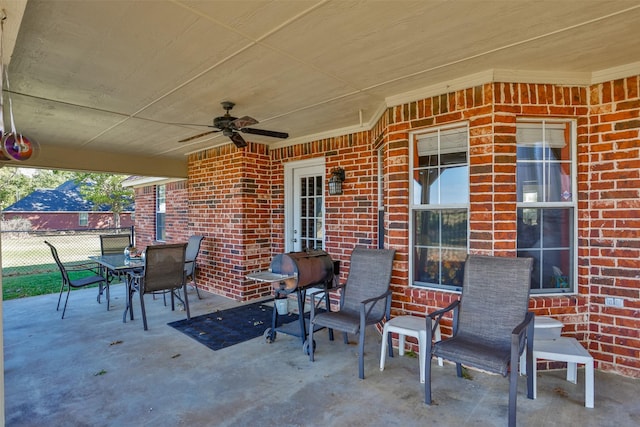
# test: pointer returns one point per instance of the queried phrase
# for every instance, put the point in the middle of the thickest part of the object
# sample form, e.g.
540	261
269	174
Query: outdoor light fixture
335	182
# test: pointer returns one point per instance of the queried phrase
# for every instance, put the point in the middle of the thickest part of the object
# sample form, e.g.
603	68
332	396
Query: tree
13	186
16	183
105	190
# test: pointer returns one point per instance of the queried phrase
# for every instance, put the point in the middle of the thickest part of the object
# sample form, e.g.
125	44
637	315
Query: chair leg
144	314
427	374
60	296
310	345
195	285
361	354
531	374
66	300
513	390
459	370
513	386
108	296
186	301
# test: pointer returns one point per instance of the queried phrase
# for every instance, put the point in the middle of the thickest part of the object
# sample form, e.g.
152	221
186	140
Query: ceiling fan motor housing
223	122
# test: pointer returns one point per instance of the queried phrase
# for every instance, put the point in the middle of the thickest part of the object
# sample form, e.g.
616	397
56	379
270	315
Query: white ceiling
98	84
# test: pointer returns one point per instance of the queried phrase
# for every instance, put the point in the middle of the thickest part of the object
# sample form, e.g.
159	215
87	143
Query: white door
304	205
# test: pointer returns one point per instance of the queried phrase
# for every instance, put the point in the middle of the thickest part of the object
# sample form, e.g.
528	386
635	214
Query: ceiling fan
230	126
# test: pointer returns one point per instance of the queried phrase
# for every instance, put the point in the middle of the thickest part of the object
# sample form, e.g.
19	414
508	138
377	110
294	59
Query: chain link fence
24	252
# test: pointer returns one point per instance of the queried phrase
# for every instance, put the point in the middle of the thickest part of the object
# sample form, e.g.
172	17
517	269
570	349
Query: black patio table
121	265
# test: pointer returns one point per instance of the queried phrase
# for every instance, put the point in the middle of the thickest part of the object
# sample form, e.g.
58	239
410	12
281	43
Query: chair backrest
164	267
369	276
114	243
63	271
193	247
495	297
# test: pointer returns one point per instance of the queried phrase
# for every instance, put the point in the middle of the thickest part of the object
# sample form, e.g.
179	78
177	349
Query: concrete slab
90	369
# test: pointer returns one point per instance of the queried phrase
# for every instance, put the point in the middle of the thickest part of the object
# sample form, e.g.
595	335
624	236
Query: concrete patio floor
91	369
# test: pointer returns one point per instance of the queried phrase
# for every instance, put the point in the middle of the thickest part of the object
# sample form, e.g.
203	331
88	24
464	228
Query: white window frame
83	219
161	208
413	207
573	203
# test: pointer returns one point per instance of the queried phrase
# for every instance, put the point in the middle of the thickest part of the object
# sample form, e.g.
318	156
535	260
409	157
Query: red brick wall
176	214
230	204
145	227
236	199
610	227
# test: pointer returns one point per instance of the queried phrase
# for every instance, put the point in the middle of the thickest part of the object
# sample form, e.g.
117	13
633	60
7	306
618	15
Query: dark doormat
225	328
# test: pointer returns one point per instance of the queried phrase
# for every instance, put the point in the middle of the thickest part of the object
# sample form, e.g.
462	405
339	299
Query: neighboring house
544	170
63	208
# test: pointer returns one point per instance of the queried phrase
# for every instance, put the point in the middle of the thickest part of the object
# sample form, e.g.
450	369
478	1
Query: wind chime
15	146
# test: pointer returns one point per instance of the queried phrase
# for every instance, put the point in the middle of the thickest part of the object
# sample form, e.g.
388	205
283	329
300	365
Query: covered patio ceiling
109	85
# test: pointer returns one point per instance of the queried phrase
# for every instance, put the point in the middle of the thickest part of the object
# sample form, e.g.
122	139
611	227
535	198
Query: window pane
546	235
310	207
454	185
160	226
426	227
427	265
303	207
440	246
439	266
161	199
452	270
559	182
425	189
454	228
544	162
556	224
441	175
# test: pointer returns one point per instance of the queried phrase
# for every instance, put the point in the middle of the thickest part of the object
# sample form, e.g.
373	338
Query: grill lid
308	268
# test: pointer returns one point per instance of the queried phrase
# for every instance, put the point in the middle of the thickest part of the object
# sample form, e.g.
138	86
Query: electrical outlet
614	302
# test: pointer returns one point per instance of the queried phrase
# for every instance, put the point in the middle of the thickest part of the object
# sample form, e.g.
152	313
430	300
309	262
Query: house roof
64	198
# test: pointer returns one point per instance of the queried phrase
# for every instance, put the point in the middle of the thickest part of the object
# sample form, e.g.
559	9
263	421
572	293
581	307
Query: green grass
35	284
27	286
28	268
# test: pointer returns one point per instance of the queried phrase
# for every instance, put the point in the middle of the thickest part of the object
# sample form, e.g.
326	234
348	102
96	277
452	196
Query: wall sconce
335	182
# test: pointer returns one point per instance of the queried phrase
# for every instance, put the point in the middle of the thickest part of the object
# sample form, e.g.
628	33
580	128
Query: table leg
128	306
588	380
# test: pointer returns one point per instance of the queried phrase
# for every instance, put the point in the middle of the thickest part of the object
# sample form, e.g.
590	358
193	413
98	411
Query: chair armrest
368	304
85	266
521	332
438	314
312	307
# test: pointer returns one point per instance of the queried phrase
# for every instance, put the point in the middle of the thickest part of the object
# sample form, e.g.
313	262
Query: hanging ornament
15	146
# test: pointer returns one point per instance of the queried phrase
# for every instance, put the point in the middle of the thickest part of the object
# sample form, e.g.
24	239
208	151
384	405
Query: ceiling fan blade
244	122
238	140
270	133
198	136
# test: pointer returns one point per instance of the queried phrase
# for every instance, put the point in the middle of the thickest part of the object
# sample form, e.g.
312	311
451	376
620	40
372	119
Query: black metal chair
81	282
193	248
364	300
163	272
491	323
112	244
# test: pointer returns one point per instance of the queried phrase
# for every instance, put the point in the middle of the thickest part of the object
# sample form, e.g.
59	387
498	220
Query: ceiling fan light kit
230	126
